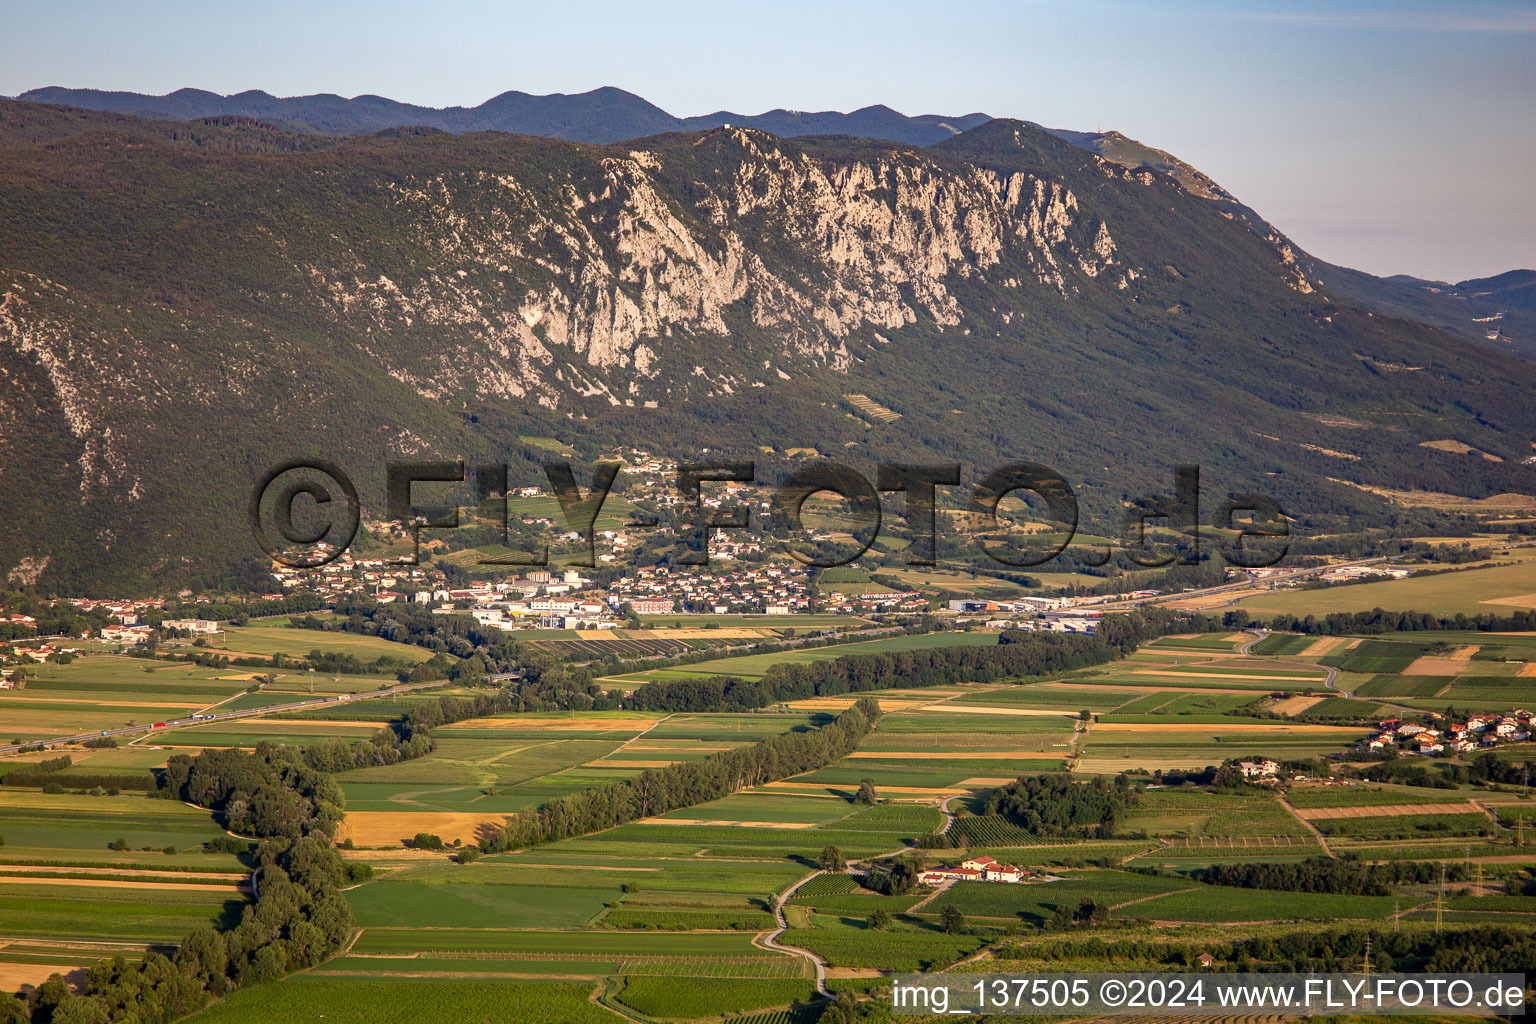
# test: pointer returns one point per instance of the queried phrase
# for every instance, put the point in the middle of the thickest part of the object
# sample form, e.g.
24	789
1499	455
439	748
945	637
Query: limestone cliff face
598	285
178	313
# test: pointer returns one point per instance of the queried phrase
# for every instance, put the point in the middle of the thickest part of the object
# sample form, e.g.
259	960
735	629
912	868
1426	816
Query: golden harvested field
1435	667
1387	811
1318	648
14	976
1516	601
1294	705
391	828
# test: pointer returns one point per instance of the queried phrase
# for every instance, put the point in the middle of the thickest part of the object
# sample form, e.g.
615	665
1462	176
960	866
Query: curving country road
770	940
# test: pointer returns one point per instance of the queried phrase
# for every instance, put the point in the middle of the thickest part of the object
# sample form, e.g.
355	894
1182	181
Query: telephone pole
1440	901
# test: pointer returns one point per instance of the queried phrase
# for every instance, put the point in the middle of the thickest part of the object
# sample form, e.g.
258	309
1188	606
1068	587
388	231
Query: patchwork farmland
668	917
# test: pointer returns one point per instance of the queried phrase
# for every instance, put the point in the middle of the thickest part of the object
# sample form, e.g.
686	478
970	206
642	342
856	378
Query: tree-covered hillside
185	304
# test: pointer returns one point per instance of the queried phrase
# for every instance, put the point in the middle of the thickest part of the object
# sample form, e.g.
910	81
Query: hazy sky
1393	137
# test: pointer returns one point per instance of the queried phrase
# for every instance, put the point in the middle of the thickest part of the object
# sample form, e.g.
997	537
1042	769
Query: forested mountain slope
183	304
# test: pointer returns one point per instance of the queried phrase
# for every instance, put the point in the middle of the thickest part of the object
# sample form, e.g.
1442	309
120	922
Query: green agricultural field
754	666
67	822
1045	698
774	622
1497	590
848	942
560	943
364	1001
687	919
1208	903
1195	813
686	997
1366	796
137	912
468	773
994	830
1282	645
1037	900
297	643
1341	709
441	904
768	805
906	819
1407	826
1394	685
1215	642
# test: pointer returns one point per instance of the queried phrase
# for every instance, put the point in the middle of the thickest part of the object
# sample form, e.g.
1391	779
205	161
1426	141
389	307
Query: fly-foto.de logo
306	513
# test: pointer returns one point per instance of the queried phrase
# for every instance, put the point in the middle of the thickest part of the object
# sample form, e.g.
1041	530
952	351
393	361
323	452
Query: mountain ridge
604	115
609	115
1010	294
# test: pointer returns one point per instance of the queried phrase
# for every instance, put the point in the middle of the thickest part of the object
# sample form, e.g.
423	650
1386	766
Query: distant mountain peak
606	114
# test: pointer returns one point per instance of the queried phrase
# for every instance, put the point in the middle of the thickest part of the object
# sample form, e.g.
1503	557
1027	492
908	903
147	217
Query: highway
223	716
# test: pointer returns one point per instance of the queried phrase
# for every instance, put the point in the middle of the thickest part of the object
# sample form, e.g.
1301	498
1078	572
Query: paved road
770	940
222	716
